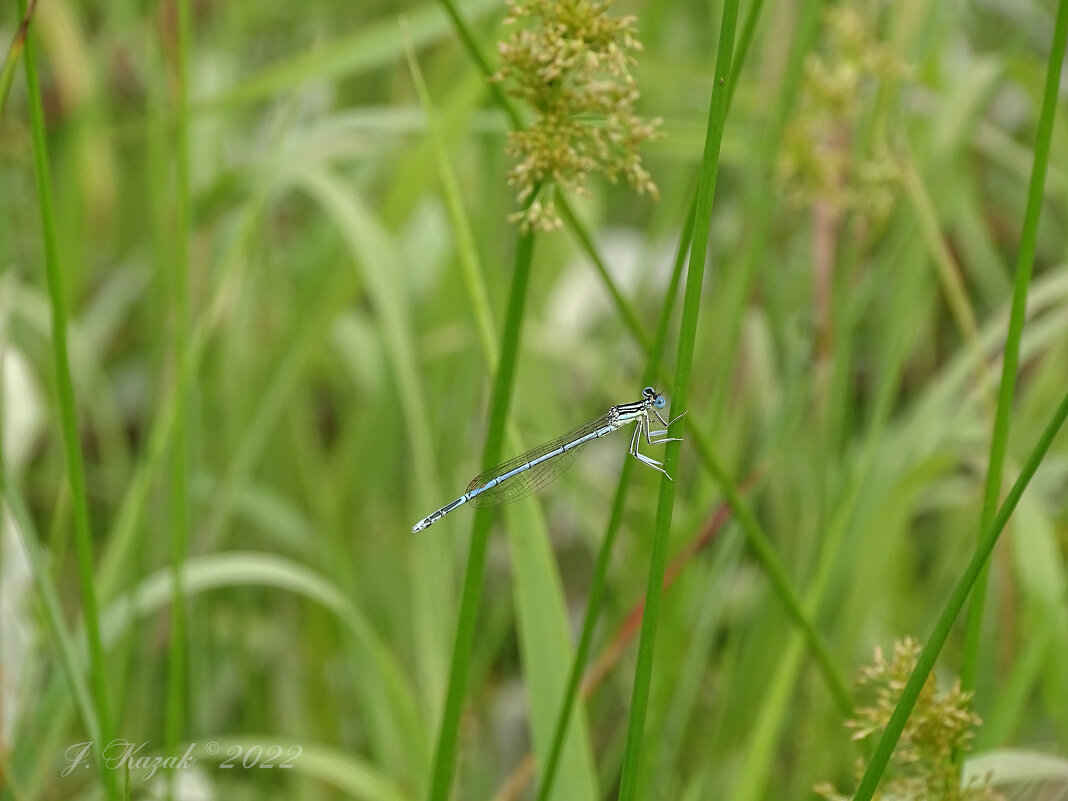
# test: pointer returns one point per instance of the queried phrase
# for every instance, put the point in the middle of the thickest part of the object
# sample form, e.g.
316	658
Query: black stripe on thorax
626	408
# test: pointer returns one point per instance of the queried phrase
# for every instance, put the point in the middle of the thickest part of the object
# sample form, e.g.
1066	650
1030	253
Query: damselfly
532	470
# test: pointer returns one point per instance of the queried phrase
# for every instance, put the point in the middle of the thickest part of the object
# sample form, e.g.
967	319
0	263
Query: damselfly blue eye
660	402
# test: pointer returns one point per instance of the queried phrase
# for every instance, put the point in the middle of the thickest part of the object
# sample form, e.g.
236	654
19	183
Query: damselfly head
658	400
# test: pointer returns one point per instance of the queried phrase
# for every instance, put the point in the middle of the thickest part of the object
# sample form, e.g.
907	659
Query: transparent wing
533	479
528	482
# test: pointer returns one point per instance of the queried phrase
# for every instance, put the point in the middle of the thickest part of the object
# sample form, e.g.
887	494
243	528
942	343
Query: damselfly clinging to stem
534	469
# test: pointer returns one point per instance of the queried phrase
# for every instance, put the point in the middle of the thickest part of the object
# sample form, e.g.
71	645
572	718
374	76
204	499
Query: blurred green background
281	349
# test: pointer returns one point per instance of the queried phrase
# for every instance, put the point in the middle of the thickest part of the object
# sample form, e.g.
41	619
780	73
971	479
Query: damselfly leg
650	434
643	429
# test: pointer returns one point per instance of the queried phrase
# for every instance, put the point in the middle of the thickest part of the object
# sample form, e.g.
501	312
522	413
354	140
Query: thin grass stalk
717	118
802	613
736	285
123	532
68	412
1024	265
69	661
597	584
623	308
3	357
178	651
467	250
969	580
754	772
500	402
474	50
741	48
11	60
612	651
949	272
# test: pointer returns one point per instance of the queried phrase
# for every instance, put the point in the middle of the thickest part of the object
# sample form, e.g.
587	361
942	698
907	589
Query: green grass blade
71	664
467	252
741	49
500	403
733	294
11	60
585	239
67	409
474	50
333	767
1024	265
181	464
545	639
717	118
366	49
969	579
122	536
615	520
377	262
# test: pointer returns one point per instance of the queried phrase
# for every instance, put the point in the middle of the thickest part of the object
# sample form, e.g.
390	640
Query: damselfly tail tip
418	527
